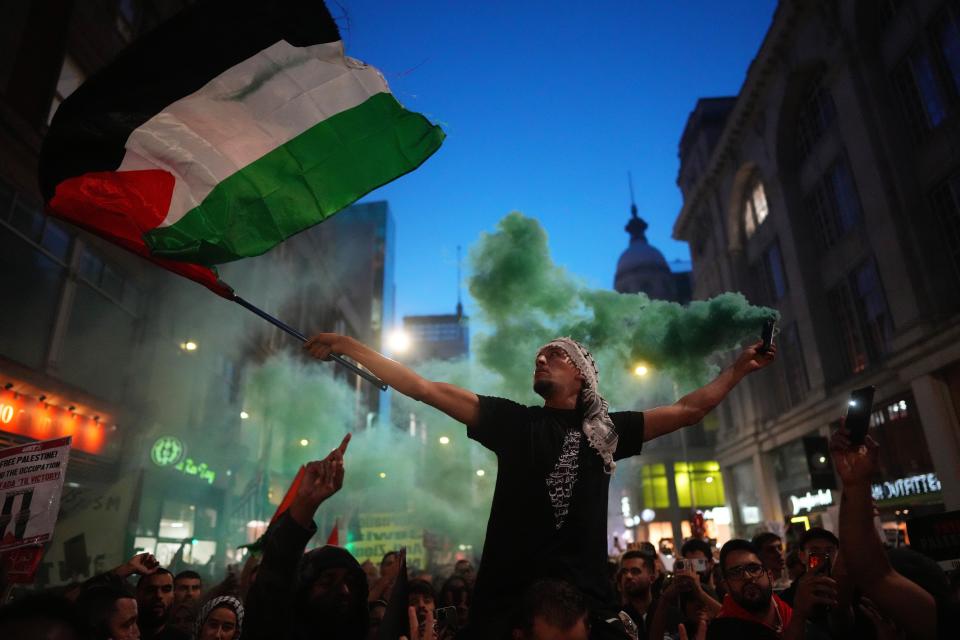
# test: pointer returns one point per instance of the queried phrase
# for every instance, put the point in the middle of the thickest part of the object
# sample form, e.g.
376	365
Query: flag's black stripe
173	61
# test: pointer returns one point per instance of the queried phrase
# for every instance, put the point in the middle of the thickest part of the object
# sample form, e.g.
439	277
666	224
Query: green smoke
525	299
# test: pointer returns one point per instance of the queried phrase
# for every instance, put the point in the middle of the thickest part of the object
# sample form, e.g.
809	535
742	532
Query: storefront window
745	487
699	484
177	520
655	492
791	472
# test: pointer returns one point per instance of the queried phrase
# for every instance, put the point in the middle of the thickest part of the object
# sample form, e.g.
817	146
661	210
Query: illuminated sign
201	470
38	419
166	451
719	515
905	487
822	498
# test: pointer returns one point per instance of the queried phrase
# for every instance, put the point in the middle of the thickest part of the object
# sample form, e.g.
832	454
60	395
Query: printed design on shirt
561	480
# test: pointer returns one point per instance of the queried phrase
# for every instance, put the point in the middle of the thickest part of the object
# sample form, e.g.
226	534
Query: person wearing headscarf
549	514
220	618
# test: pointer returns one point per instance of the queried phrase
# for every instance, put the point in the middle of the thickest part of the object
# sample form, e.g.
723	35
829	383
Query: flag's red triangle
334	537
290	495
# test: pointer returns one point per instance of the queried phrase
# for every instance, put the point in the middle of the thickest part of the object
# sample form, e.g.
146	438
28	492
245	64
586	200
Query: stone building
829	188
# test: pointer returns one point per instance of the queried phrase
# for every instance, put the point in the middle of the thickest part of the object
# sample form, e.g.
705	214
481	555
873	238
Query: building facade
829	190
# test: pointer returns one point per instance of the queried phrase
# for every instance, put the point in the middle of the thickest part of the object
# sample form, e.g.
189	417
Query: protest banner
383	532
31	481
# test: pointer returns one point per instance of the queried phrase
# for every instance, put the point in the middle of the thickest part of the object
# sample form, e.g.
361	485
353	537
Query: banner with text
383	532
31	481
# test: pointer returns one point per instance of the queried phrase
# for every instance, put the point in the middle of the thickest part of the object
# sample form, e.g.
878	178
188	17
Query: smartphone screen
819	563
859	408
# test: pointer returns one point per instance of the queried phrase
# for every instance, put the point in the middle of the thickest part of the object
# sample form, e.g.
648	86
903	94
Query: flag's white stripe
247	111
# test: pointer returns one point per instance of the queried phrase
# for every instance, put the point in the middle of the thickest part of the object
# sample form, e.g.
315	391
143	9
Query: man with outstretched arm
549	512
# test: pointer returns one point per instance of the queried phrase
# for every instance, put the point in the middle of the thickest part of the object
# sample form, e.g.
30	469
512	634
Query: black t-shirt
549	513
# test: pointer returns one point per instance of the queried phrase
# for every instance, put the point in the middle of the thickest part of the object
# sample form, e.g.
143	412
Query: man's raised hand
856	465
321	479
142	564
751	359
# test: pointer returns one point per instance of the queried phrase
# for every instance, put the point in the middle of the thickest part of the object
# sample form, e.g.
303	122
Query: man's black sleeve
500	420
269	605
629	426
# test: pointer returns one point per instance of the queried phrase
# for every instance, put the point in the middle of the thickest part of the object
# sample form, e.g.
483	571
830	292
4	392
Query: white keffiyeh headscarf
597	425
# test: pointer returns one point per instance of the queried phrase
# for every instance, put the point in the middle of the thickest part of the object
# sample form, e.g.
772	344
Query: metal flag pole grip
366	375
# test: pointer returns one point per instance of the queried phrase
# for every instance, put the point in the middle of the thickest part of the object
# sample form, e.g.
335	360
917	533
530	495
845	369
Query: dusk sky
546	107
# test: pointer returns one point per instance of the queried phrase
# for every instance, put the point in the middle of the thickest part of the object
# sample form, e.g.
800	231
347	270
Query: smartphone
679	564
699	565
766	335
859	407
819	563
446	617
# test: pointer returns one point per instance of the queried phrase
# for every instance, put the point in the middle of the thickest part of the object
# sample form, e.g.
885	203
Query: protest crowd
854	587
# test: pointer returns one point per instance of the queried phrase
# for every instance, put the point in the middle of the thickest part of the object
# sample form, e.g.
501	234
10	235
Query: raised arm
905	602
460	404
691	408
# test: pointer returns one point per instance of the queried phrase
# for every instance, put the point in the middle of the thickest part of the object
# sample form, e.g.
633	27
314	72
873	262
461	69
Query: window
754	207
852	350
928	79
949	40
862	317
794	367
834	204
946	205
769	275
816	116
656	495
698	484
873	308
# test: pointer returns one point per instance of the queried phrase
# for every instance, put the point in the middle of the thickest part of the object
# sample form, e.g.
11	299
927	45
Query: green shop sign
168	451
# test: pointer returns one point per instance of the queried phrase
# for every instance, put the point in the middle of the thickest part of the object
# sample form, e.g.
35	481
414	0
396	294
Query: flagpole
366	375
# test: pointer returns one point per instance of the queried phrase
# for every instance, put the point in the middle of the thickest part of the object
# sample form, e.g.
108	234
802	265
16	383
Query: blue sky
546	107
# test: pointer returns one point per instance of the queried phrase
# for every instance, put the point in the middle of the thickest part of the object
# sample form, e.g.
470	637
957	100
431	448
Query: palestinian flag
228	129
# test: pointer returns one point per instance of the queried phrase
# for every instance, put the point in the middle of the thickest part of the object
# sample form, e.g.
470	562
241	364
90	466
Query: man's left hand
751	359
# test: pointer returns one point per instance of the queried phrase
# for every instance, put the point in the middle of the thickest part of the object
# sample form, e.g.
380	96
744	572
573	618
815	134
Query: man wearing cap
549	512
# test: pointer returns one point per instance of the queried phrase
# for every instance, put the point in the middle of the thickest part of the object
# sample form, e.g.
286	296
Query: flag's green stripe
301	183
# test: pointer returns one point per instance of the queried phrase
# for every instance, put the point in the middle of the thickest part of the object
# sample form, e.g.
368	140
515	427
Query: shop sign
904	487
199	469
39	420
168	451
809	502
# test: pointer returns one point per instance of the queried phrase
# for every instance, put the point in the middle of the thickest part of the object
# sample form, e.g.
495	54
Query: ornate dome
640	255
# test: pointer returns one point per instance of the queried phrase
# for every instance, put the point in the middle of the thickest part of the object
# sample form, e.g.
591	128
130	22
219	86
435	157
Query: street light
641	370
399	341
304	442
444	440
481	472
382	475
189	345
244	415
